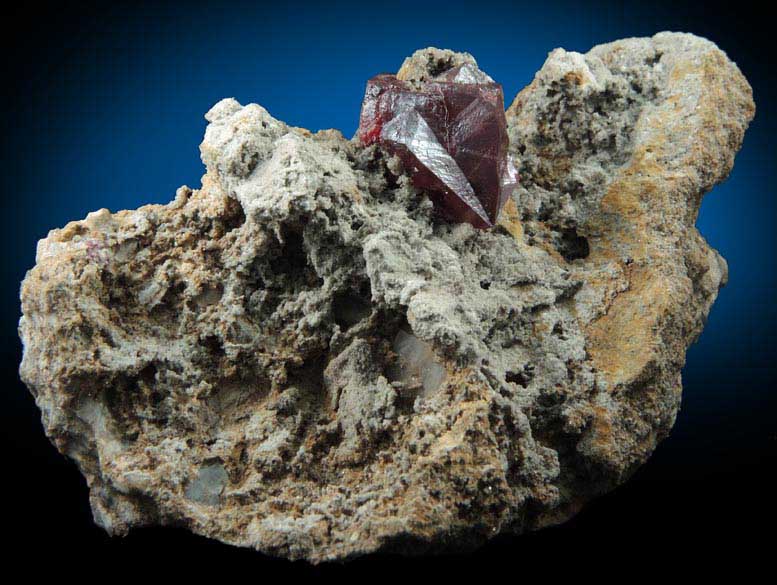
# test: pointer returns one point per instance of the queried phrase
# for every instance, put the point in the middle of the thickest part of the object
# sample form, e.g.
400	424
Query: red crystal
450	134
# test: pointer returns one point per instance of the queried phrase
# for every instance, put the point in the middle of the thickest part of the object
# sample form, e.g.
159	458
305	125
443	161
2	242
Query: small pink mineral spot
451	135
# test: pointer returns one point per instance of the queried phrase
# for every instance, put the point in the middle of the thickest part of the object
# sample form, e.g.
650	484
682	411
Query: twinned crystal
451	135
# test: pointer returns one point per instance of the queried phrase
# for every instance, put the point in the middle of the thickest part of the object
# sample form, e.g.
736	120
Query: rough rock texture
298	358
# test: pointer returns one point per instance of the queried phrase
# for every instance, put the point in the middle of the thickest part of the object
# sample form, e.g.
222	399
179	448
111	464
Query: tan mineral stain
622	342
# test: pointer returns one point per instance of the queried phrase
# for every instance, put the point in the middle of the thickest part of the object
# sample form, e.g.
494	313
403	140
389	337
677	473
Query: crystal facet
450	134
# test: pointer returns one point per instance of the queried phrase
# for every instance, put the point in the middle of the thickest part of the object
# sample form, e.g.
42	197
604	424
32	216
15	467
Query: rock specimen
451	135
300	357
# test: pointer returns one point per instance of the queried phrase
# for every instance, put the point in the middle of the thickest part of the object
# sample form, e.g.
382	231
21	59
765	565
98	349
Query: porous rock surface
298	357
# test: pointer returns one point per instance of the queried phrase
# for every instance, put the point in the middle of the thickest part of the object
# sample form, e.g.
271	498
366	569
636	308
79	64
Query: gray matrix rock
299	358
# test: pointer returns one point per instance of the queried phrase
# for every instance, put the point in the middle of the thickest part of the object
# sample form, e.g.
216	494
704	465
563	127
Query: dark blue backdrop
106	110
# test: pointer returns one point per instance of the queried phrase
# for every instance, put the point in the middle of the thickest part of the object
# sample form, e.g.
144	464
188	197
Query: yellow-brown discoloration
622	342
510	219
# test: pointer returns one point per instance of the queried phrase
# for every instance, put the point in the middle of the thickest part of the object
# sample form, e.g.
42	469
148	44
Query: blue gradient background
106	110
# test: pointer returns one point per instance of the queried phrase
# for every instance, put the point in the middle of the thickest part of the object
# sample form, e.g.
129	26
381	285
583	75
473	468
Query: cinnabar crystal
451	136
